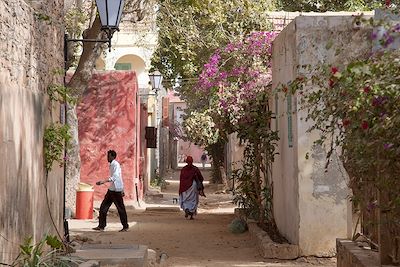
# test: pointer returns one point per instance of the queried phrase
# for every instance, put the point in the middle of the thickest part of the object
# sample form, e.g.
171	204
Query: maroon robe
188	174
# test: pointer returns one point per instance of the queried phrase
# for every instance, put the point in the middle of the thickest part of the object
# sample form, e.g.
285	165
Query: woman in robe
190	186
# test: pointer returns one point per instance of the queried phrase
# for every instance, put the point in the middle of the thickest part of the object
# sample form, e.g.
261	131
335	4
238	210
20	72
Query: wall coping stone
349	254
268	248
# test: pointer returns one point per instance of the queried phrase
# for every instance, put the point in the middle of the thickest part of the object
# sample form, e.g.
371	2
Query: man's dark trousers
116	198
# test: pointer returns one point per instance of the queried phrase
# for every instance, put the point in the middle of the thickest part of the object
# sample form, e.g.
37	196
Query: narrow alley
290	108
204	241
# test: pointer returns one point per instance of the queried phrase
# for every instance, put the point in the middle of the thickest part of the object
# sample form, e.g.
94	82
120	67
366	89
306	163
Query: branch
91	52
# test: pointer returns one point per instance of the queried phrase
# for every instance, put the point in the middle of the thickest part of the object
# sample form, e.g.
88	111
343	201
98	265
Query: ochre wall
108	116
31	48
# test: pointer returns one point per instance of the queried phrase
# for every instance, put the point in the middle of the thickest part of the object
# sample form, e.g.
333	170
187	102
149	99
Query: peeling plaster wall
30	49
310	205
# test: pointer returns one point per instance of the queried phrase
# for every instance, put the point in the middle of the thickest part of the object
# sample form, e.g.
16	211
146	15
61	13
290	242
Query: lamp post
155	80
110	12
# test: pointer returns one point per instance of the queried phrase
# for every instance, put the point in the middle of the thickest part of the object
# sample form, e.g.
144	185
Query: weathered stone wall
31	45
310	205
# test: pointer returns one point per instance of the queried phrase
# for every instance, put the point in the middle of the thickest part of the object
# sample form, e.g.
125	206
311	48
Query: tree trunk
257	184
73	160
223	177
78	84
216	152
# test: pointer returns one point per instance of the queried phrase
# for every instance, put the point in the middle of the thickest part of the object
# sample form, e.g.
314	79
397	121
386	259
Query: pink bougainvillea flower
367	89
223	104
223	75
388	145
397	28
379	101
372	205
364	125
346	122
389	39
230	47
334	70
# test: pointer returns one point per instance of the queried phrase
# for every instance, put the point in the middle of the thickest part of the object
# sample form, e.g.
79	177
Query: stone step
122	255
153	196
163	209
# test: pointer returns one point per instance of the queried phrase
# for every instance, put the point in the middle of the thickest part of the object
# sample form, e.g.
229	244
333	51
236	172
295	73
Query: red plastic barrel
84	204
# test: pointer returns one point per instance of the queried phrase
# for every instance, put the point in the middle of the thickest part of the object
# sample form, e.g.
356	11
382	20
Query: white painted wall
285	170
310	205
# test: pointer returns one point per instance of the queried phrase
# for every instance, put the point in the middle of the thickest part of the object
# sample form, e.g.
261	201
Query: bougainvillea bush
358	109
236	82
235	76
201	127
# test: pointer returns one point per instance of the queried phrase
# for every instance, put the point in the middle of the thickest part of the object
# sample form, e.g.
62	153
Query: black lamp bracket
108	31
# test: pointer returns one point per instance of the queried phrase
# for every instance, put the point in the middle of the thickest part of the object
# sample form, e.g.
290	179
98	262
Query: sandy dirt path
204	241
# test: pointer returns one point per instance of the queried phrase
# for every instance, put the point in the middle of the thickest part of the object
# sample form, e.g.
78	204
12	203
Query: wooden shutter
151	137
165	111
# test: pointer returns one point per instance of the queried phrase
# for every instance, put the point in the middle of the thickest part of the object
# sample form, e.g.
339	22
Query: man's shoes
125	229
98	228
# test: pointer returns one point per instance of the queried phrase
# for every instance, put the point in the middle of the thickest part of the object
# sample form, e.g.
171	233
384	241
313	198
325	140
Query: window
290	122
151	137
123	66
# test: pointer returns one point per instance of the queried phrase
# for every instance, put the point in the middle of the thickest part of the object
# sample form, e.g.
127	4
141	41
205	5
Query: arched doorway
135	63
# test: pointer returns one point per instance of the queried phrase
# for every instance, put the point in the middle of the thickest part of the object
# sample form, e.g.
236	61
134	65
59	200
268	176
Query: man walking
114	194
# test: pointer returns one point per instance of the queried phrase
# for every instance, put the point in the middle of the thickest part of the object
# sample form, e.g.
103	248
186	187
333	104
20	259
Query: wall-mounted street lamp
110	12
155	80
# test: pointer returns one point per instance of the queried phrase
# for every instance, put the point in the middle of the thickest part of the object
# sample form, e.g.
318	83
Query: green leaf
53	242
